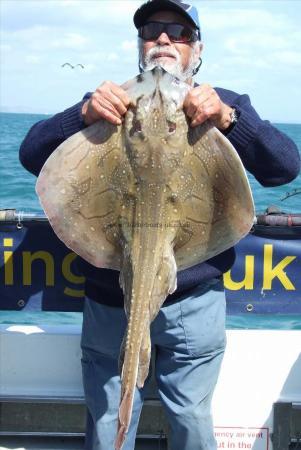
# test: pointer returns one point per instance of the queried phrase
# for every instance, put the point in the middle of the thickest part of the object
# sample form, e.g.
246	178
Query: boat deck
74	443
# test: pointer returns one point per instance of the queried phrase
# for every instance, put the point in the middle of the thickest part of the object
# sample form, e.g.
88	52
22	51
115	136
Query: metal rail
12	215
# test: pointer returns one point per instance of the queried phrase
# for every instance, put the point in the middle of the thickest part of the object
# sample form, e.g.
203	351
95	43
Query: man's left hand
202	103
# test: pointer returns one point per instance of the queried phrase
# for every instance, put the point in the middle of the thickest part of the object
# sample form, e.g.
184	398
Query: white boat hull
260	368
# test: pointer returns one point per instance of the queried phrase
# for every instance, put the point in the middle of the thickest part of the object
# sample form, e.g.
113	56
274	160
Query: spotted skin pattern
148	197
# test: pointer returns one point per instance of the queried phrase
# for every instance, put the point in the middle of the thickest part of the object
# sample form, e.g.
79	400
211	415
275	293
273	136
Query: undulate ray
148	197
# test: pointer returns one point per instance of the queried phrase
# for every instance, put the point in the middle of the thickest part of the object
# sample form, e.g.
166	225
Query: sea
17	191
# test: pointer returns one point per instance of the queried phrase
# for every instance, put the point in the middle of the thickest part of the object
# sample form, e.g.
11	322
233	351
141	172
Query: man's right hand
109	102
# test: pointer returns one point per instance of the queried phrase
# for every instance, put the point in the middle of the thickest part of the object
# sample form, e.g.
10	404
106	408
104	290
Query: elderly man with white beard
189	332
181	59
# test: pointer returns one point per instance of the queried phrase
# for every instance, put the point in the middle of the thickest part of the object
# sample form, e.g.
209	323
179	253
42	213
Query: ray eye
173	198
171	127
137	126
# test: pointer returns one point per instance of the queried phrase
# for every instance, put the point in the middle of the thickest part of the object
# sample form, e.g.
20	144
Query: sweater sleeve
45	136
270	155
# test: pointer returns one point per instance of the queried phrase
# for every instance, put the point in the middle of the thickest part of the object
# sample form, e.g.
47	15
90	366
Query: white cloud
69	3
291	58
114	11
74	41
32	59
112	56
5	48
255	42
89	68
129	45
215	18
104	18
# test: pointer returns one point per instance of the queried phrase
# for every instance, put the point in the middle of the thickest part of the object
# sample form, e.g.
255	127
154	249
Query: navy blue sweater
267	153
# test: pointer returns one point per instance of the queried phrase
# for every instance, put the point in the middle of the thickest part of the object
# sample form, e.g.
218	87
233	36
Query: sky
250	46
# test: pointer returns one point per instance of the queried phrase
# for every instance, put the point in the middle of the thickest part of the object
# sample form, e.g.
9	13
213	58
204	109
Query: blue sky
251	46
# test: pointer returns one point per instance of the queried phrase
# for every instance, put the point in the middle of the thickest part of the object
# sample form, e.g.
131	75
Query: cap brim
146	10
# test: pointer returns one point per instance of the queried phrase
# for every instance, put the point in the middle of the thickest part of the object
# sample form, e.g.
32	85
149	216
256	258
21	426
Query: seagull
68	64
71	66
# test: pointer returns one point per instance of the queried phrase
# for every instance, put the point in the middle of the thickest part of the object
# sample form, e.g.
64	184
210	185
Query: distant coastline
35	113
4	111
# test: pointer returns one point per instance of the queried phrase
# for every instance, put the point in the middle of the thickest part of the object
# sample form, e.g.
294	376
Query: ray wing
81	187
215	199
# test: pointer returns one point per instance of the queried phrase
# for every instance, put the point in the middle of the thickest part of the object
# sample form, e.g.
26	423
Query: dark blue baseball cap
181	7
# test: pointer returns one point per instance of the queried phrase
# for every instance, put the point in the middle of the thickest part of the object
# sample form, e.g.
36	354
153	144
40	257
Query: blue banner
37	271
266	275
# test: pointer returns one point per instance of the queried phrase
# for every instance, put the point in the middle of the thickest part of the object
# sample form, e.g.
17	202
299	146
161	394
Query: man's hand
109	102
202	103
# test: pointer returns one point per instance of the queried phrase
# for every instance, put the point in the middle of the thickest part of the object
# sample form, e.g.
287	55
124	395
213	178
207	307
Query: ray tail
148	275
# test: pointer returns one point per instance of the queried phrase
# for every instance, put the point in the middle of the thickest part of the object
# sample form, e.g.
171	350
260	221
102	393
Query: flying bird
68	64
71	66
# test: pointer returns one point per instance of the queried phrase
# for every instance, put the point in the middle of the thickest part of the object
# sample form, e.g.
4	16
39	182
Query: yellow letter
66	269
247	283
28	258
270	272
8	263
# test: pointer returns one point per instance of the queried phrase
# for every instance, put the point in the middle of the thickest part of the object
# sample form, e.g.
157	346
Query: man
189	331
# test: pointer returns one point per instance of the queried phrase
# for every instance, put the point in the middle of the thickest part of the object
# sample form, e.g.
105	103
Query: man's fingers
104	102
121	94
202	103
203	113
198	119
115	94
100	108
109	102
115	102
195	101
110	117
103	99
190	109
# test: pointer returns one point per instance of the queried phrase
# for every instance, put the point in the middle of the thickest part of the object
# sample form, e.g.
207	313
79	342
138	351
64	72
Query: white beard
174	66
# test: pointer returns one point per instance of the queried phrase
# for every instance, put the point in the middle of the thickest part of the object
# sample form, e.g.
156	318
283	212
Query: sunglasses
175	31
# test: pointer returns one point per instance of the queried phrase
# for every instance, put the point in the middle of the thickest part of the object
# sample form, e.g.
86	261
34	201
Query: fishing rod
296	191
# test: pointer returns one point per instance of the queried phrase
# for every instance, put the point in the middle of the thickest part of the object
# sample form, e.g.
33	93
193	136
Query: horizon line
52	113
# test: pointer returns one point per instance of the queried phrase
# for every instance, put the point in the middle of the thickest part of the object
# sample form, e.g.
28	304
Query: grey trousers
189	337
